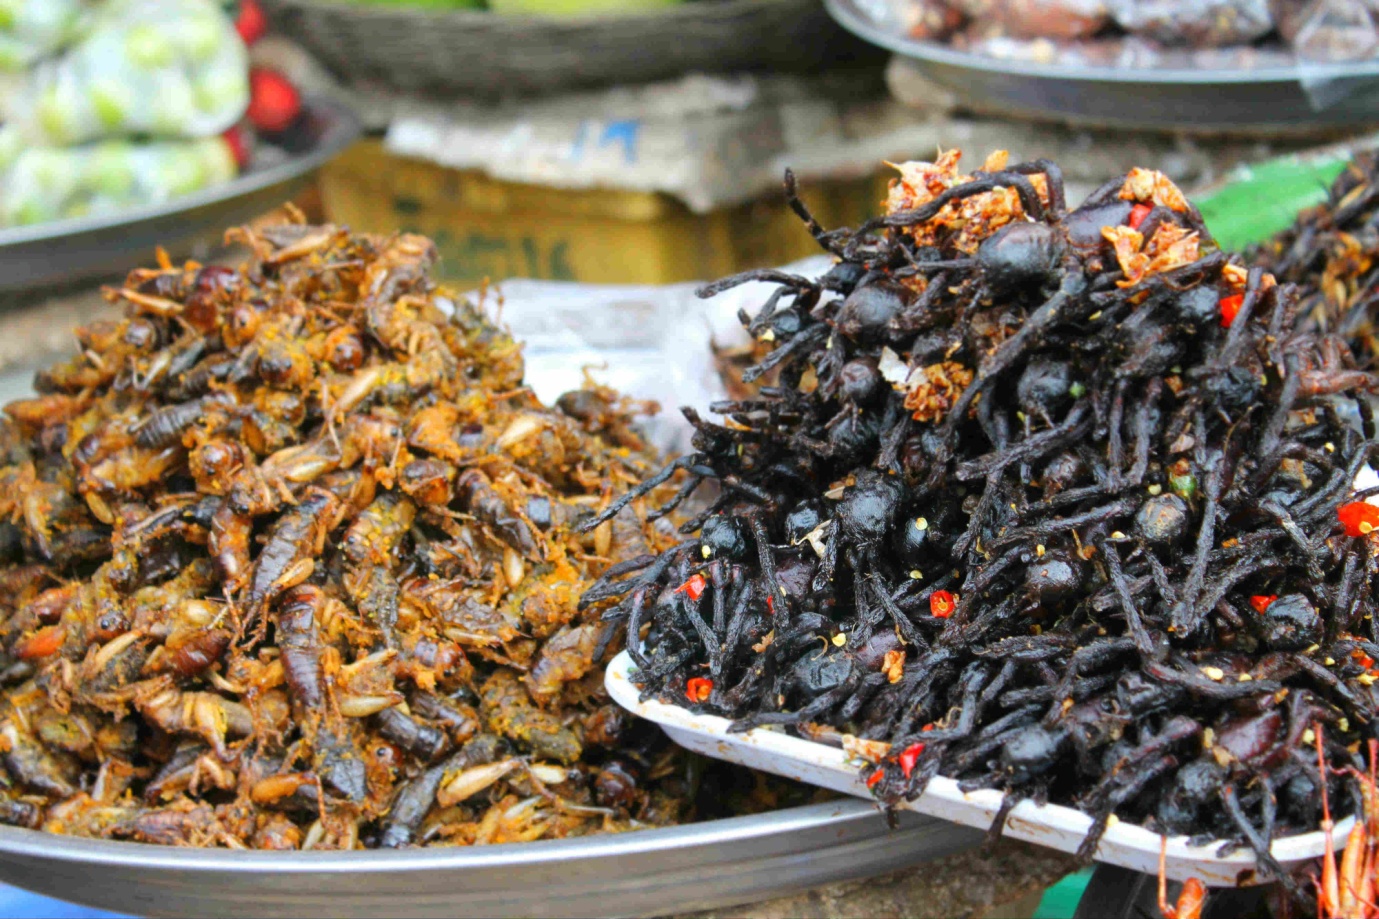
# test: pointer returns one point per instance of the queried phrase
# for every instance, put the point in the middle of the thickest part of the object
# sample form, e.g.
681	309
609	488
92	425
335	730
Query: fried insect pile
1053	501
289	562
1331	251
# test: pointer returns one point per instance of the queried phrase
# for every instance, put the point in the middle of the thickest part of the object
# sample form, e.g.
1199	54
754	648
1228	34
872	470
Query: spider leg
642	489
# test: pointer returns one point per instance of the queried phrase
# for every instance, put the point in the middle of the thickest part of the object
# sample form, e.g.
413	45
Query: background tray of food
651	872
418	48
63	251
1208	91
1055	826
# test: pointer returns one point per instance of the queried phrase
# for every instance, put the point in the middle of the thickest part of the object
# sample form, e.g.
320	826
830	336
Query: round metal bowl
1265	100
63	251
650	872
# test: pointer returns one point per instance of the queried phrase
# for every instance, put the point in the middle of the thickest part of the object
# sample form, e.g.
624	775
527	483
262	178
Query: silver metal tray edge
651	872
1270	101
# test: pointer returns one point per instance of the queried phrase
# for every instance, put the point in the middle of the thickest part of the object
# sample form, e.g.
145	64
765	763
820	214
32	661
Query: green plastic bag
33	29
51	183
155	68
1260	200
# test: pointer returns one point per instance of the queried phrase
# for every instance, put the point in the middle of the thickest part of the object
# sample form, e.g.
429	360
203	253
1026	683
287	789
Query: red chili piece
694	587
1137	215
909	757
698	688
1261	602
46	642
942	603
1358	517
875	777
1230	308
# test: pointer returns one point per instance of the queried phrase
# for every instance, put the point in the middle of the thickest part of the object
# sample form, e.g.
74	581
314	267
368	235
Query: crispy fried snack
1051	500
289	561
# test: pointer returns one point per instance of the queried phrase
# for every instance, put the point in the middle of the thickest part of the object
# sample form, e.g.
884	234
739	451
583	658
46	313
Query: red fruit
239	147
251	24
274	103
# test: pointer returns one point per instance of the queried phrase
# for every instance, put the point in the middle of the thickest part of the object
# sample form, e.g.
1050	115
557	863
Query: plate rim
846	14
37	844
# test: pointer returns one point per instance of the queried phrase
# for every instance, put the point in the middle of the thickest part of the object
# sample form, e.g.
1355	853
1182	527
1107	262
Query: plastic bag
52	183
33	29
1329	31
1198	23
647	342
163	68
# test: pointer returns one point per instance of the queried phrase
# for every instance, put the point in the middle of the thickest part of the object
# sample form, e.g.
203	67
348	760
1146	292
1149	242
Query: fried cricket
290	561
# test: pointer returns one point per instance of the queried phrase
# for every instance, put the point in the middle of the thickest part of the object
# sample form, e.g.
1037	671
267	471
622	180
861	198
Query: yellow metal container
491	229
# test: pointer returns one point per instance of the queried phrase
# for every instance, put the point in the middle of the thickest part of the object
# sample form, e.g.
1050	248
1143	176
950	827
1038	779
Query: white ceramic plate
1052	825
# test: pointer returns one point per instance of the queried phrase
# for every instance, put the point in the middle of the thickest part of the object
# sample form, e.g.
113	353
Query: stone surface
37	330
1004	881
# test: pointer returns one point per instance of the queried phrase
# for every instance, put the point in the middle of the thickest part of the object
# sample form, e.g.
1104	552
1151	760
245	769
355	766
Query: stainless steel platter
1274	99
63	251
653	872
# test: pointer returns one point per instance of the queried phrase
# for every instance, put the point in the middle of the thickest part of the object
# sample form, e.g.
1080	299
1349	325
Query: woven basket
478	53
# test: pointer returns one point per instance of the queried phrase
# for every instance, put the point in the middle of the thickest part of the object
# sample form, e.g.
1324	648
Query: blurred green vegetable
33	29
166	68
51	183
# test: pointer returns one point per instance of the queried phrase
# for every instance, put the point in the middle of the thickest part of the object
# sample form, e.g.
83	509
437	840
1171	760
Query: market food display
1209	34
290	561
1331	251
1054	500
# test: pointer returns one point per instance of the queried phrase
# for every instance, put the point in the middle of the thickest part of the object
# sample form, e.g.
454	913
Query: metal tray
651	872
1270	100
62	251
657	872
1054	826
